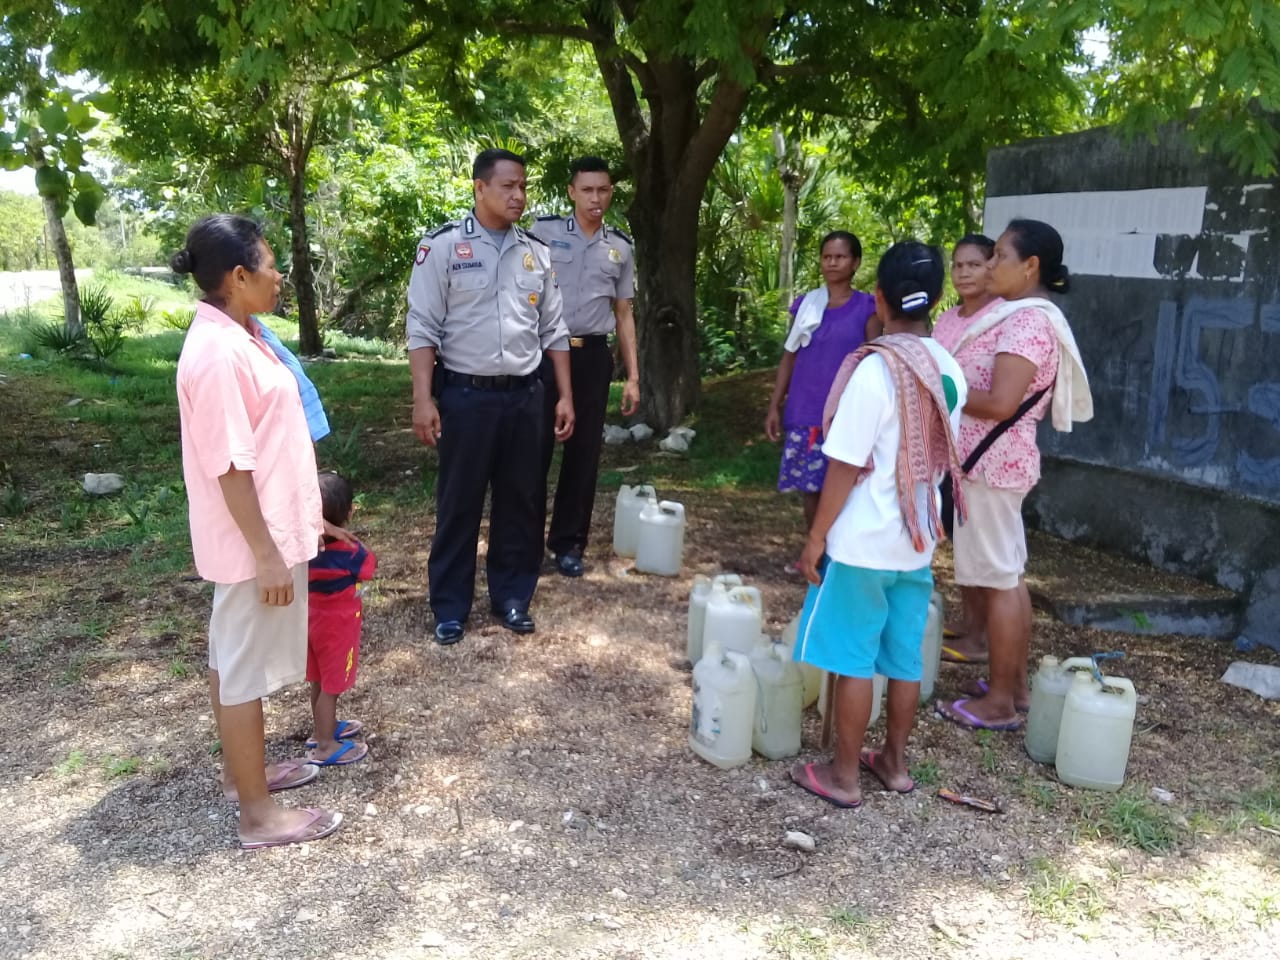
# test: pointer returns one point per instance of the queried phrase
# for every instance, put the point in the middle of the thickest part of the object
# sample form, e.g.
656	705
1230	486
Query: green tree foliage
1213	62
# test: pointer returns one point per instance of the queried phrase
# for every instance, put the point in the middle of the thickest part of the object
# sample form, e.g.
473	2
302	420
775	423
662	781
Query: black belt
504	381
596	340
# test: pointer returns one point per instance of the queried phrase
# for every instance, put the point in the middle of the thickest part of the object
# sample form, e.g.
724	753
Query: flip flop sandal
957	714
867	759
288	776
952	655
349	751
810	784
983	688
320	824
344	730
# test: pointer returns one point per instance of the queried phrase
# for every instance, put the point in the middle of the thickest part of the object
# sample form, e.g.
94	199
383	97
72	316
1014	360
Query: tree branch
567	30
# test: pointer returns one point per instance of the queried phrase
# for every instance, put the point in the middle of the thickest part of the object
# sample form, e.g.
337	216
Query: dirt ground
535	797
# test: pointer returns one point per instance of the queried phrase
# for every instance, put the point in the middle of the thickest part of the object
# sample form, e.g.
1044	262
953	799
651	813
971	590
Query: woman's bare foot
980	713
970	648
277	826
979	688
280	776
820	779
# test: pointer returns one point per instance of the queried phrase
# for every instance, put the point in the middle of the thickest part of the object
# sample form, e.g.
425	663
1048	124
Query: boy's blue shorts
859	621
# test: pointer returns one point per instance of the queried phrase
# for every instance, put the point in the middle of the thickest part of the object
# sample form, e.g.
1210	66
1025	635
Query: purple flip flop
957	714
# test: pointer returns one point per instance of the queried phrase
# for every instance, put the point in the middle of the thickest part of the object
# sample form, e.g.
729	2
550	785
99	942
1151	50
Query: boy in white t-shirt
892	420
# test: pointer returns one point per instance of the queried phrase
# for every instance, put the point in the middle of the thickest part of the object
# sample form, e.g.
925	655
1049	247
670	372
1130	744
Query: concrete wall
1176	306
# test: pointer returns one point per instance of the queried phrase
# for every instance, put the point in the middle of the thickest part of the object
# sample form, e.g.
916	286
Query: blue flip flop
350	751
344	730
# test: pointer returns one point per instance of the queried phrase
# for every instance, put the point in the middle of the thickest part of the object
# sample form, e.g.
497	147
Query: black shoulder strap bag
948	497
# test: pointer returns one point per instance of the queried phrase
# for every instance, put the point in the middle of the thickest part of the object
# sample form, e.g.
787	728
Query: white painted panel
1110	233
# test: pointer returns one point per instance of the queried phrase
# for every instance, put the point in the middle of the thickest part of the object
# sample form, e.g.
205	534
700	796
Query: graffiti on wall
1176	306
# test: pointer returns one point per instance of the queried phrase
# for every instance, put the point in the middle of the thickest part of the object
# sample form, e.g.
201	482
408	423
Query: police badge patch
528	261
614	255
462	251
421	258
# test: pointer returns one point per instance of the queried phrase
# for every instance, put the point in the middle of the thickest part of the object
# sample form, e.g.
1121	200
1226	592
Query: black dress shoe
569	565
514	619
448	632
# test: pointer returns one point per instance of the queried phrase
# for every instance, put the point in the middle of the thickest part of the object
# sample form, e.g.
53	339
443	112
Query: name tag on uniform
467	265
562	244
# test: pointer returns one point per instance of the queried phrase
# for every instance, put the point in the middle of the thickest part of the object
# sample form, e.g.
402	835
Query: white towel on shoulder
808	319
1072	399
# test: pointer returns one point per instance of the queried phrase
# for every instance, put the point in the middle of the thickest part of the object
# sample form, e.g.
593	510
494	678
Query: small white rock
641	432
515	825
674	443
615	436
618	893
370	810
799	841
101	484
1160	795
609	923
432	939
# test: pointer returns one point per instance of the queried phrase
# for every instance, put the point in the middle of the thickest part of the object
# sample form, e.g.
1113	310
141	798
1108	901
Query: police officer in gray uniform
483	307
596	272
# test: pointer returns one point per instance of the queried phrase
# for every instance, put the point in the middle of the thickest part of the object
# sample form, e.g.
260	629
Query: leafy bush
96	303
137	312
178	319
56	338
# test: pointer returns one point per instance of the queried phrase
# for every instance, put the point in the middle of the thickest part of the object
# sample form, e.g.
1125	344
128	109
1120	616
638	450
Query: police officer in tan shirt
596	272
483	309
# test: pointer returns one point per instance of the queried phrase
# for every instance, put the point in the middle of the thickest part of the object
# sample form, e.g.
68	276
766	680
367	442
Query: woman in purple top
830	323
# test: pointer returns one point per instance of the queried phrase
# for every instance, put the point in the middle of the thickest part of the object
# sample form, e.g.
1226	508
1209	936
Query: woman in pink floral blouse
1009	354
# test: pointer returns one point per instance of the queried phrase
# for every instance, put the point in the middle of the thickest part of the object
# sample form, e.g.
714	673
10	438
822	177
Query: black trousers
590	370
489	439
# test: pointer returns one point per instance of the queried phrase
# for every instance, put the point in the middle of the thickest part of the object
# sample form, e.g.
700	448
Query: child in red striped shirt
334	615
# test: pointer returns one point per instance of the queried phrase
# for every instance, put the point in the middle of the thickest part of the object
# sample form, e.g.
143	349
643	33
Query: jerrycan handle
671	507
744	594
1098	658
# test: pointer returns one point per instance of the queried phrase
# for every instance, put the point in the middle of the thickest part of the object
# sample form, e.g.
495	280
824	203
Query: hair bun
180	262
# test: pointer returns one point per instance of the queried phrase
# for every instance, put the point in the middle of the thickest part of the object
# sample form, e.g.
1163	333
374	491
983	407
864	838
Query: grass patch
1060	898
73	764
1130	821
986	743
926	774
115	766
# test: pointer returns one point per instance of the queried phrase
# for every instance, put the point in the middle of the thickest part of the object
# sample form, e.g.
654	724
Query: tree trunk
666	274
792	176
66	267
671	146
301	136
310	343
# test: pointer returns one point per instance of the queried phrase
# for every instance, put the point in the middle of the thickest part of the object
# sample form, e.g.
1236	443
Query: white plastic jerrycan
626	517
1049	689
779	692
1096	731
812	675
931	649
660	538
724	706
878	682
734	617
698	598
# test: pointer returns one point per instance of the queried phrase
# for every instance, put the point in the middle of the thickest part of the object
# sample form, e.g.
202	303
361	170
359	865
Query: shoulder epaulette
549	216
445	229
535	237
623	234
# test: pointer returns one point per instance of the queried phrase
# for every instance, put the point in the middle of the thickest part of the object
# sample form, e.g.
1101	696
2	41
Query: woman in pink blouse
1007	357
254	504
970	260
